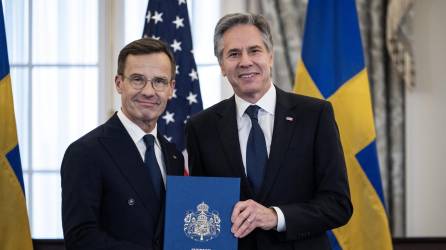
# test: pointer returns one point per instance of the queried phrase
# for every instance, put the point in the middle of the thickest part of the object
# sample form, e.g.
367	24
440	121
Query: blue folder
198	213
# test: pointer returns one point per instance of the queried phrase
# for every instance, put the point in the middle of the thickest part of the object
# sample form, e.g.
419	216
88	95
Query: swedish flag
332	68
14	226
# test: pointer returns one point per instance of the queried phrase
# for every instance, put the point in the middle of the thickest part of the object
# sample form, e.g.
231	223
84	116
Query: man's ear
272	58
118	83
223	73
172	84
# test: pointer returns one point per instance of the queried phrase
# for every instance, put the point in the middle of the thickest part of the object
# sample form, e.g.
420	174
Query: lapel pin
174	157
289	118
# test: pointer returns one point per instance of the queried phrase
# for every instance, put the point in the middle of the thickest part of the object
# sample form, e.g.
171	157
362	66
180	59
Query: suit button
131	202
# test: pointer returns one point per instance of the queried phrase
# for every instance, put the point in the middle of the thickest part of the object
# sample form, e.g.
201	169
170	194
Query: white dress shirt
137	134
267	106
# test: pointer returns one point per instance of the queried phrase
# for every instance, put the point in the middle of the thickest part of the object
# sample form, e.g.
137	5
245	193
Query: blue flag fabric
168	20
332	68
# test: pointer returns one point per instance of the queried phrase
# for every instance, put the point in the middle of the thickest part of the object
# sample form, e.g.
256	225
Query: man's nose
245	60
148	89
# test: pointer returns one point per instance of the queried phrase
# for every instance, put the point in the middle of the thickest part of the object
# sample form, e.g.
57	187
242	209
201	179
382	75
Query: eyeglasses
140	81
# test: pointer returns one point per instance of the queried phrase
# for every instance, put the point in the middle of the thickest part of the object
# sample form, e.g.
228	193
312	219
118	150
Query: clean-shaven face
246	62
144	106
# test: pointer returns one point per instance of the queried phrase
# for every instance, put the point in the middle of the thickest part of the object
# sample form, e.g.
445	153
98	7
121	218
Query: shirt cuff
281	226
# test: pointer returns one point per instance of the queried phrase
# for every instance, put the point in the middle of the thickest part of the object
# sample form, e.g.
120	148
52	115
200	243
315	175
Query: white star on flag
177	69
181	1
192	98
174	95
156	37
193	75
178	22
169	117
157	17
176	45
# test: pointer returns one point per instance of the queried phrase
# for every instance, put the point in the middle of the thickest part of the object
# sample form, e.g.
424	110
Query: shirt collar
267	102
135	132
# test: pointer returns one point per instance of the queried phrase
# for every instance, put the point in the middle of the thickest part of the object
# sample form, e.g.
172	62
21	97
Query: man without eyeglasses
285	147
113	178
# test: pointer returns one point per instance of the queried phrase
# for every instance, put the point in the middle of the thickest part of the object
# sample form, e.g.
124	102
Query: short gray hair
231	20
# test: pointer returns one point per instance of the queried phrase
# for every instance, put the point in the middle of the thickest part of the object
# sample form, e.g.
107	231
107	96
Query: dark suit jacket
107	199
305	175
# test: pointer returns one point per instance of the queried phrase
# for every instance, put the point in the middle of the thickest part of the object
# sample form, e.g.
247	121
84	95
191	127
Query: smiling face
144	106
246	62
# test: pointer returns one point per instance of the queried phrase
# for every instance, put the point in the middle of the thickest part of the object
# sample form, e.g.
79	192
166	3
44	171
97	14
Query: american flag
168	21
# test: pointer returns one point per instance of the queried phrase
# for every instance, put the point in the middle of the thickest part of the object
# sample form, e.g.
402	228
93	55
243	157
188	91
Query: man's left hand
248	215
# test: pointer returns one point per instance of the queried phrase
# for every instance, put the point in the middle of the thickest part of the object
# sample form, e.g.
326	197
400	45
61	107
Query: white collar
267	102
135	132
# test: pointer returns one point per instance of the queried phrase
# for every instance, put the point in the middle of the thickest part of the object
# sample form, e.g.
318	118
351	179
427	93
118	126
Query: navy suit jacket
107	198
305	175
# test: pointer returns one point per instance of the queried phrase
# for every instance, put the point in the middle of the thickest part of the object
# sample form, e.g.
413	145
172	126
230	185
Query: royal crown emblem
202	225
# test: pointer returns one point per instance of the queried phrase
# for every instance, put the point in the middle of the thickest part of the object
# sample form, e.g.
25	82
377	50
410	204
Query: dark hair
145	46
234	19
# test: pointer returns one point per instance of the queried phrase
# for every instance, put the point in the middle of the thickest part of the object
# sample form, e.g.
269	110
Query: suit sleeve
81	201
330	206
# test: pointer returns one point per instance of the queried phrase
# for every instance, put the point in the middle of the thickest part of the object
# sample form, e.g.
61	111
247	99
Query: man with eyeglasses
113	178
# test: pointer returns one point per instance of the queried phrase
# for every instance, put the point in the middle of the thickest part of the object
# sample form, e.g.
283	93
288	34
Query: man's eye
137	79
233	54
160	81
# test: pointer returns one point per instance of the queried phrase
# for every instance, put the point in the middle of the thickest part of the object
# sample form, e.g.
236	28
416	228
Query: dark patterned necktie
152	164
256	154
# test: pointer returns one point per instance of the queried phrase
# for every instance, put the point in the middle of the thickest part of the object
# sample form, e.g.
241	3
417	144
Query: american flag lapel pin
289	118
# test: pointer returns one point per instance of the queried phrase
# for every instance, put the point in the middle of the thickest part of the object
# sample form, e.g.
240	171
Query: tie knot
252	111
149	140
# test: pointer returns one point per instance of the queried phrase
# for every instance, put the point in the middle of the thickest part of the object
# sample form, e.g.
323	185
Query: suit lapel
124	153
228	131
284	122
